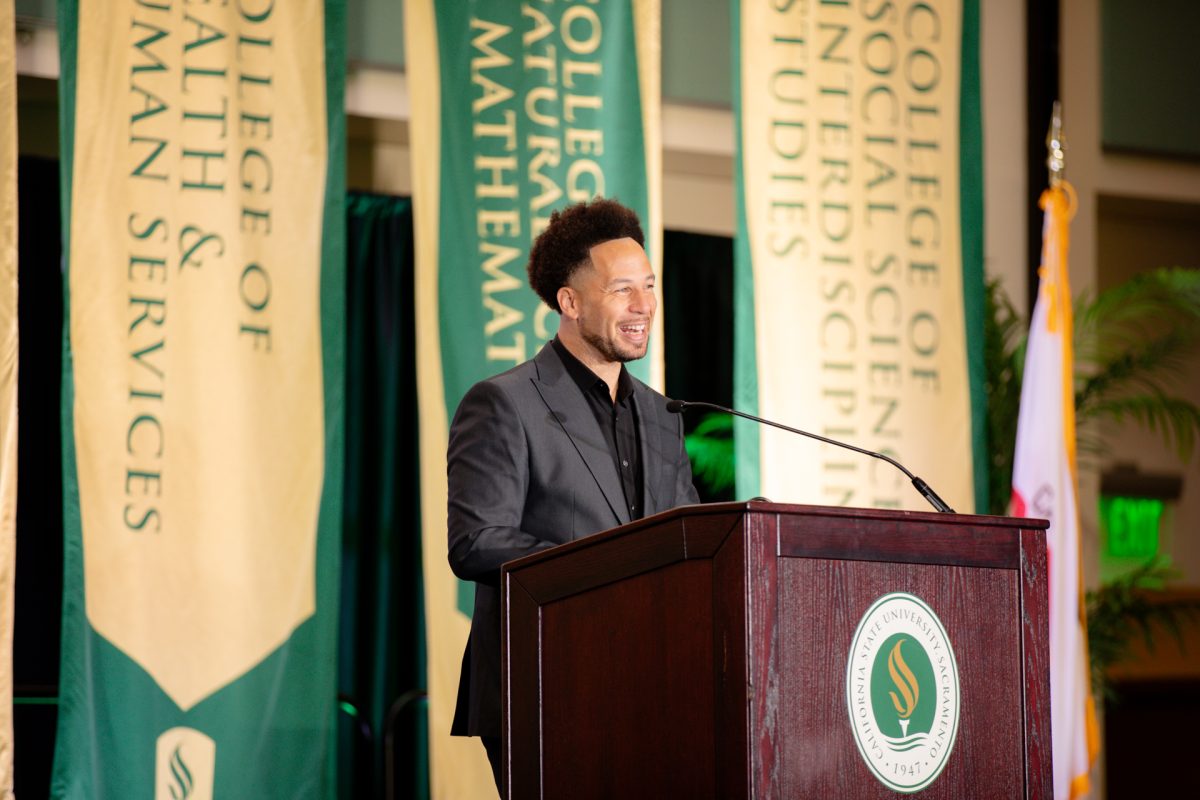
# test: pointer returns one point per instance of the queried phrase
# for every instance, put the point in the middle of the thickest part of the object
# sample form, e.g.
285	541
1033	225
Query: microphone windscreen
676	406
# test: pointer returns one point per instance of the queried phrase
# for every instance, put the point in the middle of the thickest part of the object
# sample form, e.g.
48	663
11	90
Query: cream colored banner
195	331
8	383
850	125
458	766
647	24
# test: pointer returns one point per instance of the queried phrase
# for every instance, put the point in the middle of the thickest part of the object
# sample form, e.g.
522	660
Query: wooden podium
706	653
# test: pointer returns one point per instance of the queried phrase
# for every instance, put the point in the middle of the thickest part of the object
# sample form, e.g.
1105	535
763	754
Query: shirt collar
588	381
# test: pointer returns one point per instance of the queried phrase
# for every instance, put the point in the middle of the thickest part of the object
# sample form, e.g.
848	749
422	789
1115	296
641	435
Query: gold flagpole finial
1056	145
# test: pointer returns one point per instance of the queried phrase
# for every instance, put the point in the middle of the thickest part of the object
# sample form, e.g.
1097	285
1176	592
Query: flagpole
1056	146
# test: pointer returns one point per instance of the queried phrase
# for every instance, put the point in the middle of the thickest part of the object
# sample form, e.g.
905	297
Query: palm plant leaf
1176	419
1147	365
710	447
1160	307
1004	360
1125	607
1132	308
1132	341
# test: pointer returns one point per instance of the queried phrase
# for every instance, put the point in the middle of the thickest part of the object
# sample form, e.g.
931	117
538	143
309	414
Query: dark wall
39	470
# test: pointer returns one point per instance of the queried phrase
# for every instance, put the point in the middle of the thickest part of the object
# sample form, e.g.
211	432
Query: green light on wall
1132	525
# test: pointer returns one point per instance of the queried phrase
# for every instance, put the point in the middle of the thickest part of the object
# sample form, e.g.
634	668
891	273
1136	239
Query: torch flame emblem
906	682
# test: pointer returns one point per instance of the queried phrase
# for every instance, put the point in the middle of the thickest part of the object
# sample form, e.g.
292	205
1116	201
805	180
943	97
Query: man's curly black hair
566	244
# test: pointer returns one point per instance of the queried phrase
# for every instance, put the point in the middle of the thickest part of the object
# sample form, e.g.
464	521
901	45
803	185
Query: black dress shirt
618	423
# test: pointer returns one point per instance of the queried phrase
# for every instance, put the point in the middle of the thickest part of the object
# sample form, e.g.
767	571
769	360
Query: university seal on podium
902	692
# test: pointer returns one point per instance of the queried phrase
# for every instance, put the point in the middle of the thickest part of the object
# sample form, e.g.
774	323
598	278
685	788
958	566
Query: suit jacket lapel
569	407
649	434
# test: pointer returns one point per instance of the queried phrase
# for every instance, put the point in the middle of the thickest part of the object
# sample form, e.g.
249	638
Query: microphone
679	406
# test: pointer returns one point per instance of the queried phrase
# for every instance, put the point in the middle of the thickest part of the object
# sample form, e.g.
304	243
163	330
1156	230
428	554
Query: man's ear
568	301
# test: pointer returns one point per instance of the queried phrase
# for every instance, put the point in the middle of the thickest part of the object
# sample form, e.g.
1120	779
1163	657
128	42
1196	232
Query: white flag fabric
1044	485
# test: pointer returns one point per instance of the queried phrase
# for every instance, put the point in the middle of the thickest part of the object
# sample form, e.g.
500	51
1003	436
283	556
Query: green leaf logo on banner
185	763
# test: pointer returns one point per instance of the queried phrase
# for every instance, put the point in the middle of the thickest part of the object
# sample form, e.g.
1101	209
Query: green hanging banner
519	109
203	203
858	263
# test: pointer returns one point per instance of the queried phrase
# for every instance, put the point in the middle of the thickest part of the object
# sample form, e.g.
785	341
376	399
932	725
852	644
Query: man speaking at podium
565	445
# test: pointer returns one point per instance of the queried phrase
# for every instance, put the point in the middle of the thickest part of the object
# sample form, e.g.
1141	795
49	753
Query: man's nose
643	301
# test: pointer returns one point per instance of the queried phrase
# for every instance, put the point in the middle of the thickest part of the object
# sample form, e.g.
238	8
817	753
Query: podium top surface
925	524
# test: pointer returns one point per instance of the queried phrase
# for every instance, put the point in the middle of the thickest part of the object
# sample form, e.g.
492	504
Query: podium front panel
818	755
663	707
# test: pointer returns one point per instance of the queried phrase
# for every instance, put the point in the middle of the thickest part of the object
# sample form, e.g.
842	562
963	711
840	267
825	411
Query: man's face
614	301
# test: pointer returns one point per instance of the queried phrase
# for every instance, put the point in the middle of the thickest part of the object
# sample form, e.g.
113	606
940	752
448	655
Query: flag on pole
1045	485
8	382
203	200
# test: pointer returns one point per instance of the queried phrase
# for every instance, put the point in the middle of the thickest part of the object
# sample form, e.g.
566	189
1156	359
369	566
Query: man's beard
608	348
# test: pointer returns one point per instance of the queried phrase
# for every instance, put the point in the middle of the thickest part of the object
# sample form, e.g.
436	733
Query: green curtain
381	669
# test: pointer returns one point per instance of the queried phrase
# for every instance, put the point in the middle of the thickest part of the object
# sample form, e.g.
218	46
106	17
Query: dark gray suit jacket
528	468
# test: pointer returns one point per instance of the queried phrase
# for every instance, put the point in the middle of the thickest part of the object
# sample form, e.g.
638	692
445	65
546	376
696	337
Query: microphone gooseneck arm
925	490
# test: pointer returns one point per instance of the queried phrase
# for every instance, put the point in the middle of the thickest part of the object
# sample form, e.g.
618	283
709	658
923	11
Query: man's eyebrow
617	282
